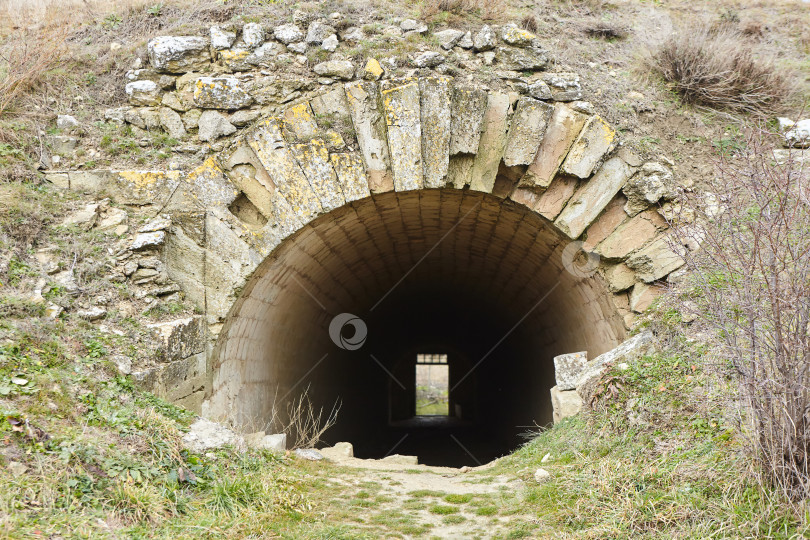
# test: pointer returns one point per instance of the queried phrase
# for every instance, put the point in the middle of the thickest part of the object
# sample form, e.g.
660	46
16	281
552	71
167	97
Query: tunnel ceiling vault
456	214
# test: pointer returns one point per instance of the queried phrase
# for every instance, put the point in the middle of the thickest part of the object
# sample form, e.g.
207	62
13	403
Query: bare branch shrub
303	424
749	284
722	69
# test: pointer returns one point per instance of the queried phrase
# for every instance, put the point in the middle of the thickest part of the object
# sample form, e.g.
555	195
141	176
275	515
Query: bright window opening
432	385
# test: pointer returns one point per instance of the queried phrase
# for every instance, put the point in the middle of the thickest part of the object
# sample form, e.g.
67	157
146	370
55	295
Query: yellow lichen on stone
233	56
373	70
146	179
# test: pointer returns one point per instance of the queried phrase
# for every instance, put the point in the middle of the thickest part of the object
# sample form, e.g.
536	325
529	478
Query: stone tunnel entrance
443	271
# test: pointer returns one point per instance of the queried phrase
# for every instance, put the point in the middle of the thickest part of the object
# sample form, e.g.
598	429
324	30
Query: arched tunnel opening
474	279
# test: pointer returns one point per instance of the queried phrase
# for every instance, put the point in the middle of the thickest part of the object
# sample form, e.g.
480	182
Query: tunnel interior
458	273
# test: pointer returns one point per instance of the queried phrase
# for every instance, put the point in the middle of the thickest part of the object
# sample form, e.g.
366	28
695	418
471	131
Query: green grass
442	509
458	498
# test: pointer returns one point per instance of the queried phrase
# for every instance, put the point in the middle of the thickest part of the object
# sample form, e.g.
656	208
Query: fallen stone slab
206	435
629	351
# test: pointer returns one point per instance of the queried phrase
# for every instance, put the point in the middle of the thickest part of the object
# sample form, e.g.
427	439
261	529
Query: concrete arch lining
450	267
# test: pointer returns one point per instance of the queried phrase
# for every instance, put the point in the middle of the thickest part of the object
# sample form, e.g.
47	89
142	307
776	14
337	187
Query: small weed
111	21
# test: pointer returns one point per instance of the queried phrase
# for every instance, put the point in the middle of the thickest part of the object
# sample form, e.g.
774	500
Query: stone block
655	260
369	125
401	107
590	199
629	351
612	216
619	277
178	54
351	176
299	123
221	38
551	202
469	106
435	121
631	235
210	185
313	157
268	144
649	185
143	93
528	126
178	339
563	86
338	69
221	93
564	404
459	170
595	140
563	128
492	143
567	368
643	295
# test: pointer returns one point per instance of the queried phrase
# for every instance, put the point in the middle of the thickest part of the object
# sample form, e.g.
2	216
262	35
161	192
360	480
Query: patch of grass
454	519
486	511
420	493
442	509
458	498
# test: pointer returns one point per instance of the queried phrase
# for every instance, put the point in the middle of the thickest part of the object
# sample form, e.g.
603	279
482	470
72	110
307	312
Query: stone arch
402	161
327	205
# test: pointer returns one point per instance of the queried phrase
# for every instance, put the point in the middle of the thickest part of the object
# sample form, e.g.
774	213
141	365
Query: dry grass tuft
23	62
487	10
723	70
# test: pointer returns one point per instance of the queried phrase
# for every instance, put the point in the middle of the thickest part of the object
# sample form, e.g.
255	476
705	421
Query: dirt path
400	499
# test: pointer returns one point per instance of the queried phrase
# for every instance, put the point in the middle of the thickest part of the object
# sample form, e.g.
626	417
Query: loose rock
143	93
212	125
178	54
288	33
428	59
252	35
206	435
221	39
339	69
448	38
221	93
484	40
799	135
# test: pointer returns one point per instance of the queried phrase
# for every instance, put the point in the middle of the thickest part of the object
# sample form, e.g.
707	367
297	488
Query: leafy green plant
155	9
112	21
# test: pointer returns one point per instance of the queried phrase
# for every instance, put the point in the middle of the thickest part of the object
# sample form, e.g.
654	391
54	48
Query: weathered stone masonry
299	219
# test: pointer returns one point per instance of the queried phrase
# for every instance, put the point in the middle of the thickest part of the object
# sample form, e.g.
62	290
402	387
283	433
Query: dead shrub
605	30
749	286
723	70
303	423
529	22
23	61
